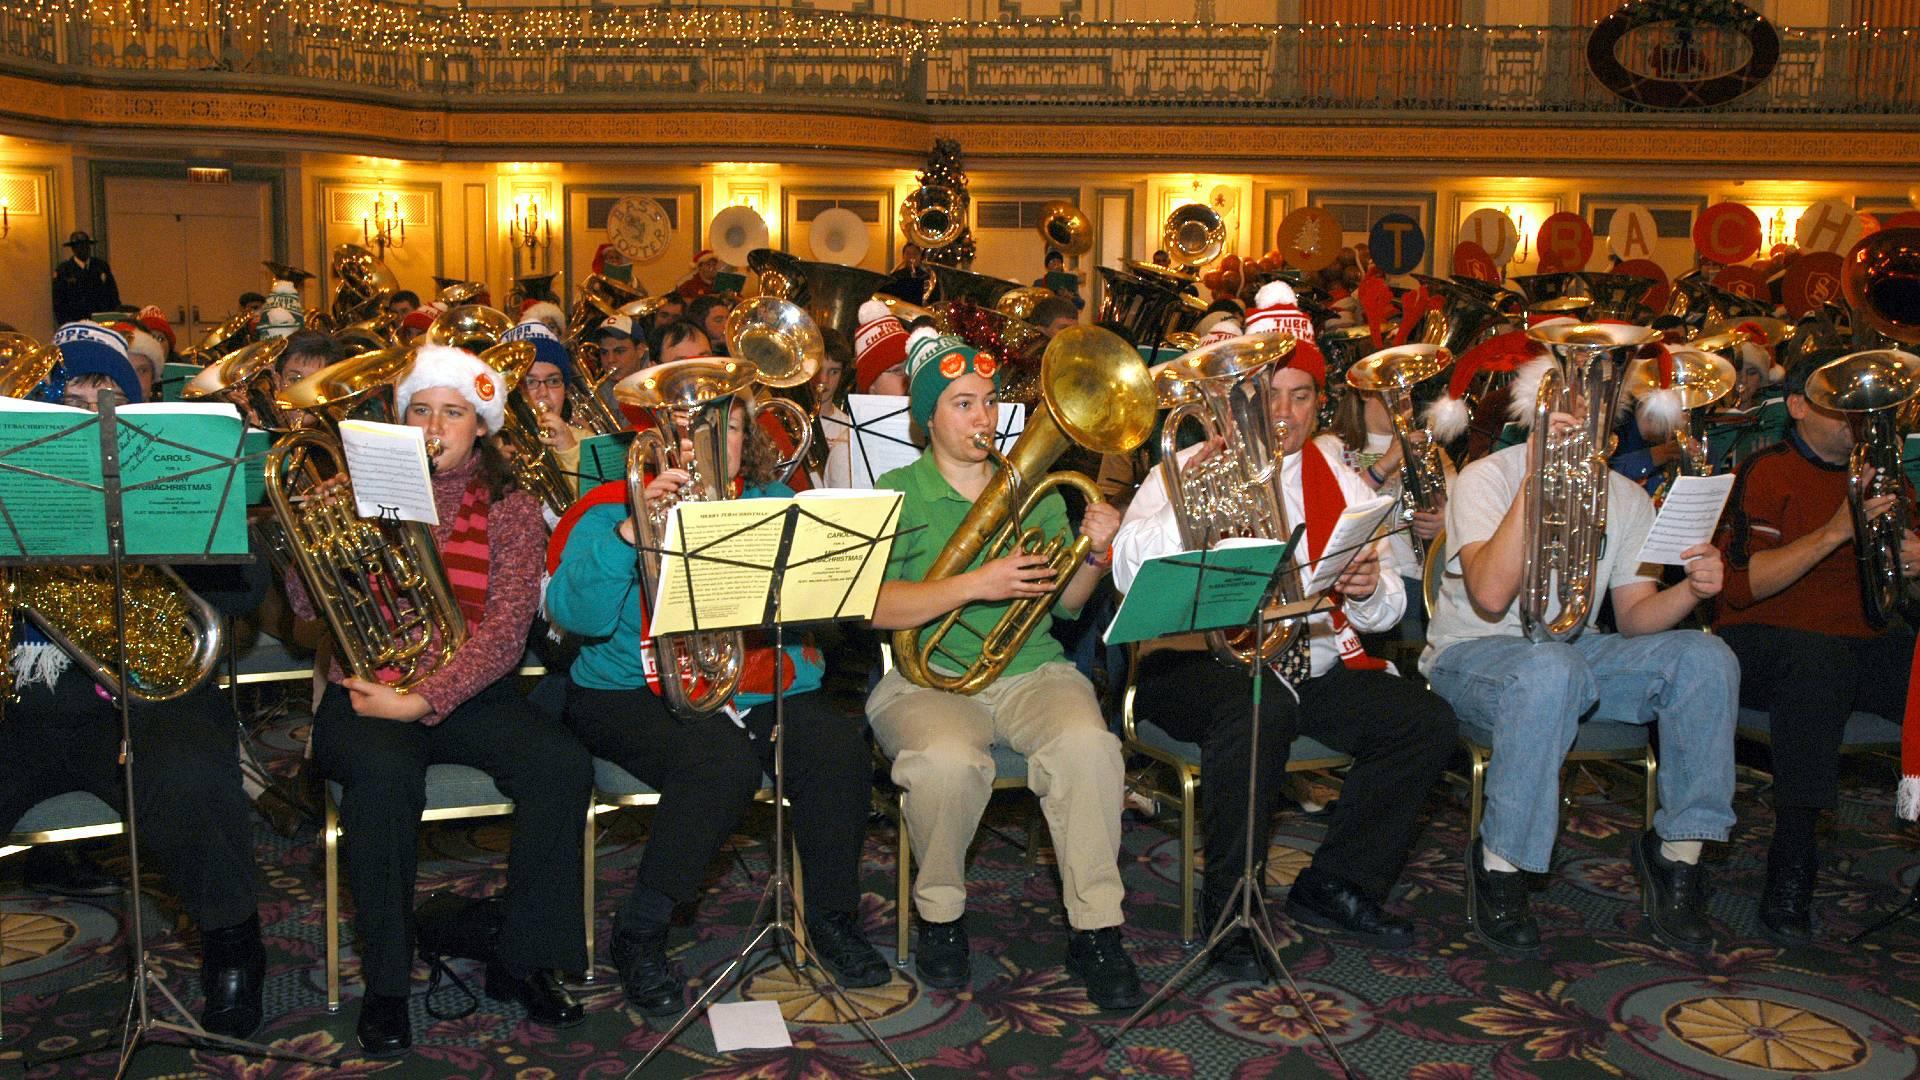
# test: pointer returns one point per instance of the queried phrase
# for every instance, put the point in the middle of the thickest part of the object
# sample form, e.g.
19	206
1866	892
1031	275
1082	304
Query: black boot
1324	901
942	955
1786	904
385	1029
1502	913
838	942
1672	897
233	971
1099	959
645	973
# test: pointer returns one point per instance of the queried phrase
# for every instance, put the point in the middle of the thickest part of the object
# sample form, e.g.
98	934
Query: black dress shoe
1099	959
233	970
66	870
1322	900
546	998
1501	912
1786	905
384	1029
838	942
942	956
645	974
1234	956
1672	896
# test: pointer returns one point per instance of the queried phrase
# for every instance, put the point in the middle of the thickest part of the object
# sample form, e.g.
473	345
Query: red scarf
1906	801
1325	502
465	554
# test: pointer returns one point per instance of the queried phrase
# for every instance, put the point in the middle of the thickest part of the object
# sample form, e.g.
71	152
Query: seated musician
62	733
1326	687
707	769
1532	697
545	387
623	347
1040	705
1363	439
1794	615
377	742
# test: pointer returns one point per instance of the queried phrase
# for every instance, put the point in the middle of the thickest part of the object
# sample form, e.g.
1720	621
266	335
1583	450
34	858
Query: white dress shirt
1149	531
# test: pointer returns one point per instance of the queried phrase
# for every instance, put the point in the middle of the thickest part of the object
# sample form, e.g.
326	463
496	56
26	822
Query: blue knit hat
87	348
547	349
934	361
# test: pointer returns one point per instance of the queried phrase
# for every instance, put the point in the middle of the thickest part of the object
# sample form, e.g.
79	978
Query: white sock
1680	851
1495	863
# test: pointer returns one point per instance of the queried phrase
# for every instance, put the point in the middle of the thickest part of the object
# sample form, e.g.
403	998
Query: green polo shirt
932	502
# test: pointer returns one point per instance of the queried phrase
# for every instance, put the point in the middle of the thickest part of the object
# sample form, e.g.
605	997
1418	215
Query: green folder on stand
603	458
1190	591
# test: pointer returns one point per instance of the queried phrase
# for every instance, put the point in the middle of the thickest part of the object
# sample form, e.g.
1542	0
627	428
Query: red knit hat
879	344
156	323
1276	308
1307	357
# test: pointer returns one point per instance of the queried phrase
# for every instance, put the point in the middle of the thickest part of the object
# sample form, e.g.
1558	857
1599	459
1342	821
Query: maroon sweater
1779	495
516	545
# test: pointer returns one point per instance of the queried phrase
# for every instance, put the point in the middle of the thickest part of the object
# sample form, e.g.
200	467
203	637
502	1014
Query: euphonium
1225	389
1870	388
691	402
245	378
1066	228
362	284
786	350
1695	380
535	467
933	215
1095	391
1393	374
1566	510
380	584
219	340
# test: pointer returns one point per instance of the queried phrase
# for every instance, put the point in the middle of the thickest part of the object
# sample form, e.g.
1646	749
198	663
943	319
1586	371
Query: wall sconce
531	233
6	218
385	226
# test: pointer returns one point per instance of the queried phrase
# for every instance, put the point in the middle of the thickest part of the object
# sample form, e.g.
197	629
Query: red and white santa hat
1217	326
463	373
1275	307
142	342
1758	351
1659	406
544	311
156	324
702	256
879	344
1447	416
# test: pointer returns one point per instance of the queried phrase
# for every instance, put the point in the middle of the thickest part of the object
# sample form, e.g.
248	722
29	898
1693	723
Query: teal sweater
596	594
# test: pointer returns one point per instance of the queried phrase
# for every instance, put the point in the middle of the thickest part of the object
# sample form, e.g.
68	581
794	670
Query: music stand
1210	581
139	1022
855	557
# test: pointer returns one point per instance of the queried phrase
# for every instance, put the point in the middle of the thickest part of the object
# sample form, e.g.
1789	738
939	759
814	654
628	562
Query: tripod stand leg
1911	906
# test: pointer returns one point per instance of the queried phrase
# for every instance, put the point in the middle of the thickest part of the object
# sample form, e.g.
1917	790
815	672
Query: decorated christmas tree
946	168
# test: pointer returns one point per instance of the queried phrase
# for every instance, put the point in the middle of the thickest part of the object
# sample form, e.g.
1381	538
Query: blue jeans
1532	698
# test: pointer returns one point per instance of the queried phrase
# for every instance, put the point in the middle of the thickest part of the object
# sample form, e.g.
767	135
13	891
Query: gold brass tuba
1870	388
245	377
1393	373
691	402
1193	235
1095	391
536	469
1225	388
1066	228
1566	510
786	351
362	285
24	364
933	215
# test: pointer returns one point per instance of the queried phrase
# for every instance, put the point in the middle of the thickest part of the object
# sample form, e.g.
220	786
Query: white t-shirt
1480	497
837	470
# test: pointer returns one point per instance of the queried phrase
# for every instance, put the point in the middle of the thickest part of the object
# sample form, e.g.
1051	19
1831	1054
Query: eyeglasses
551	382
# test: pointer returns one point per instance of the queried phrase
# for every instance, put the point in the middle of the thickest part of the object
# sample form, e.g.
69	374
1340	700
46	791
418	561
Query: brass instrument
691	402
381	331
245	378
173	637
455	293
1618	296
1066	228
24	364
219	340
1539	288
1699	302
1393	374
1698	380
473	327
951	285
1226	389
358	384
536	469
1193	236
829	292
362	284
933	215
601	298
1138	303
786	351
379	583
1095	391
1881	280
1566	508
1870	388
1468	316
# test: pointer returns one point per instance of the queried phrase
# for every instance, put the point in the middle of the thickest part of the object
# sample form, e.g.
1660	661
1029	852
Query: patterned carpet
1606	1001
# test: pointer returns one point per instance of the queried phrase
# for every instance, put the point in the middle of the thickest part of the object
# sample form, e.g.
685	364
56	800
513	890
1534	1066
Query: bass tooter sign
1682	54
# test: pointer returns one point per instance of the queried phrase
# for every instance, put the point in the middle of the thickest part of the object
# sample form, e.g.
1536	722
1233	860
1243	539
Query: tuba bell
1066	228
245	378
1566	507
1870	388
691	402
933	215
1695	379
1193	236
786	351
1393	374
1095	391
1881	280
473	327
362	284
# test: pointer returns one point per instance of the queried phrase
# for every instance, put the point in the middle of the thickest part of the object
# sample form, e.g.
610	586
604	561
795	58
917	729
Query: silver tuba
1566	509
1870	388
1393	374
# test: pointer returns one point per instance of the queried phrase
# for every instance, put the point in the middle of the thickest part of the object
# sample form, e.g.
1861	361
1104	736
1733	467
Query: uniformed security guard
83	284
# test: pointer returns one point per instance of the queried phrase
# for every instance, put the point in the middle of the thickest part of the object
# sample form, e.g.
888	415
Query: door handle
196	313
180	316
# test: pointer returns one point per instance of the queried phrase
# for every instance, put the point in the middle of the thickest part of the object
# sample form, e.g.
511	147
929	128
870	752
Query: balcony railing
468	57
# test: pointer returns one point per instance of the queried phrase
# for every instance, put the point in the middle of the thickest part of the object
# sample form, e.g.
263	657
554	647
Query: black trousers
1809	684
1398	732
194	819
707	771
381	766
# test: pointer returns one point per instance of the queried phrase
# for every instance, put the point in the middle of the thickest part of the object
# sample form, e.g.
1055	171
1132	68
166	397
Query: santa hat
1213	319
546	347
464	374
1757	350
545	312
934	361
1222	330
1275	307
142	343
282	313
420	319
156	323
702	256
87	348
1447	416
1659	406
879	344
1307	357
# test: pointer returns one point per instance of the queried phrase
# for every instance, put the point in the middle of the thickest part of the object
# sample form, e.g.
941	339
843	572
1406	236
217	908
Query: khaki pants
939	744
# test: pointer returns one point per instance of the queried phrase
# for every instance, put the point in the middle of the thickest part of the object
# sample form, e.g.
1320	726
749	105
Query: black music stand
778	932
1247	895
139	1022
892	429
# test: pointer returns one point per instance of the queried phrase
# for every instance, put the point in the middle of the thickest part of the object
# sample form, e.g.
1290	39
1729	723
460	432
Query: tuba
362	285
933	215
786	351
1870	388
1469	315
1696	379
1224	388
1881	280
1095	391
24	364
1066	228
1393	374
1566	508
245	377
219	340
691	402
535	467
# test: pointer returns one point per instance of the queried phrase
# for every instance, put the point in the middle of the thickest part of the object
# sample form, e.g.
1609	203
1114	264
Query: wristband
1378	480
1100	559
